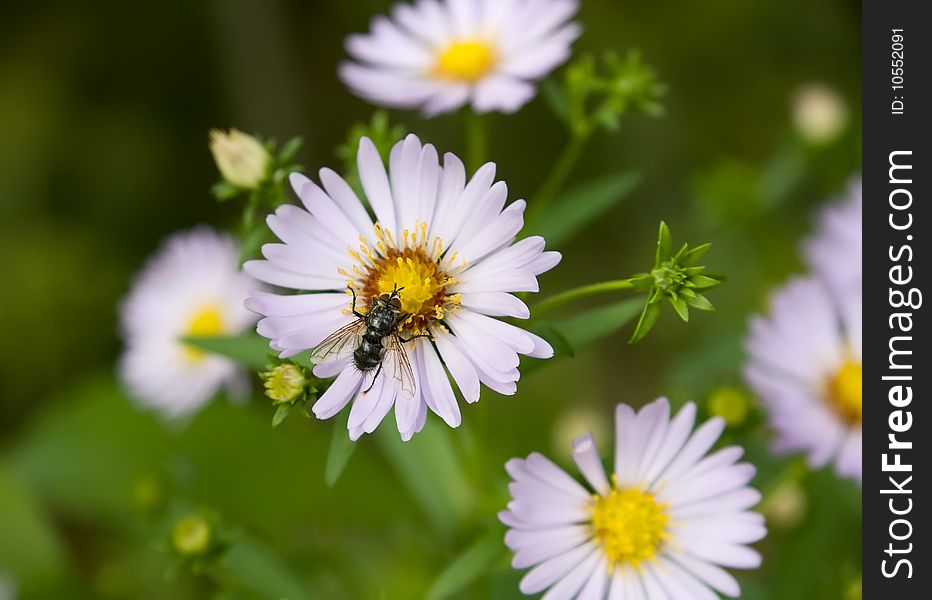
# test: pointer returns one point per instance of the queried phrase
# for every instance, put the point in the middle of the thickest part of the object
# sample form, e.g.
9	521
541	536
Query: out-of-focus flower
191	536
730	403
819	113
834	250
786	504
663	526
241	158
805	364
441	55
192	287
576	421
284	383
446	244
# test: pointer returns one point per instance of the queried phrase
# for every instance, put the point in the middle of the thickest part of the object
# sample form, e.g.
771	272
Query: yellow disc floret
629	525
467	60
205	322
844	392
415	265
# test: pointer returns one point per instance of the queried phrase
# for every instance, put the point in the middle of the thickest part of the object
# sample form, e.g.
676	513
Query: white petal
338	394
346	199
537	60
675	436
572	582
597	585
501	93
365	403
375	183
713	575
547	573
586	456
496	304
462	370
694	450
434	378
535	546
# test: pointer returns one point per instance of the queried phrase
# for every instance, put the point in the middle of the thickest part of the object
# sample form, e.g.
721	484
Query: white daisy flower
446	244
805	364
439	55
661	527
191	287
834	251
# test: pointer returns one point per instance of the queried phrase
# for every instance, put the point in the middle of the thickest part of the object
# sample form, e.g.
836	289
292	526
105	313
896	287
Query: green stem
555	180
476	140
581	292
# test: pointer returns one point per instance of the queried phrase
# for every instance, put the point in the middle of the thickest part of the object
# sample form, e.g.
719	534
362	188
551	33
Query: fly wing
339	343
400	364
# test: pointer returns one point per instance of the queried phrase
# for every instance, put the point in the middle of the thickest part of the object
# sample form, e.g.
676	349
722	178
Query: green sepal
679	305
646	321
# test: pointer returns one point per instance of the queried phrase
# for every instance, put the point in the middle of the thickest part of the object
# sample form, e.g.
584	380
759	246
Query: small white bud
241	159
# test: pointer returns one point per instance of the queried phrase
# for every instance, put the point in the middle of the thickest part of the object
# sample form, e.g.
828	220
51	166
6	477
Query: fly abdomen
369	353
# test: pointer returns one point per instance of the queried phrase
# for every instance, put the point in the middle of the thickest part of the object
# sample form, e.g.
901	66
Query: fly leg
428	335
374	377
355	312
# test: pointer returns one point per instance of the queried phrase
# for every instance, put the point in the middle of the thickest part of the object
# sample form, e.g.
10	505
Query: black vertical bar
897	59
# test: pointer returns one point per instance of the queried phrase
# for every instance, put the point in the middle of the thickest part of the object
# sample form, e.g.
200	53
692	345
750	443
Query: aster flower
662	526
445	243
192	287
805	364
834	251
439	55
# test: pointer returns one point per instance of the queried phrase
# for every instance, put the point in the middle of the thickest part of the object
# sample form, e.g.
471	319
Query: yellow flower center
467	60
844	392
414	265
206	322
629	525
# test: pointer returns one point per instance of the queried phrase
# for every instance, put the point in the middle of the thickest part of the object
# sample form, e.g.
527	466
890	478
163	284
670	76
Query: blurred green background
104	113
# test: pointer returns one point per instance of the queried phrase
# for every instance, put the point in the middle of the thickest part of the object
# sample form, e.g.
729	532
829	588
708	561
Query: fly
373	338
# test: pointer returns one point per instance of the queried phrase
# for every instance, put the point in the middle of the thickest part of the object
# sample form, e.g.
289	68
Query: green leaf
248	349
592	325
701	282
290	149
341	449
224	190
664	244
694	255
561	346
31	550
249	565
646	322
468	566
699	301
679	305
432	472
280	413
555	97
576	208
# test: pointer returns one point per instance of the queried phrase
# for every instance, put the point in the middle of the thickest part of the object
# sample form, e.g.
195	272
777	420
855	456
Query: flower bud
241	159
284	383
577	421
785	505
191	536
819	113
730	403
